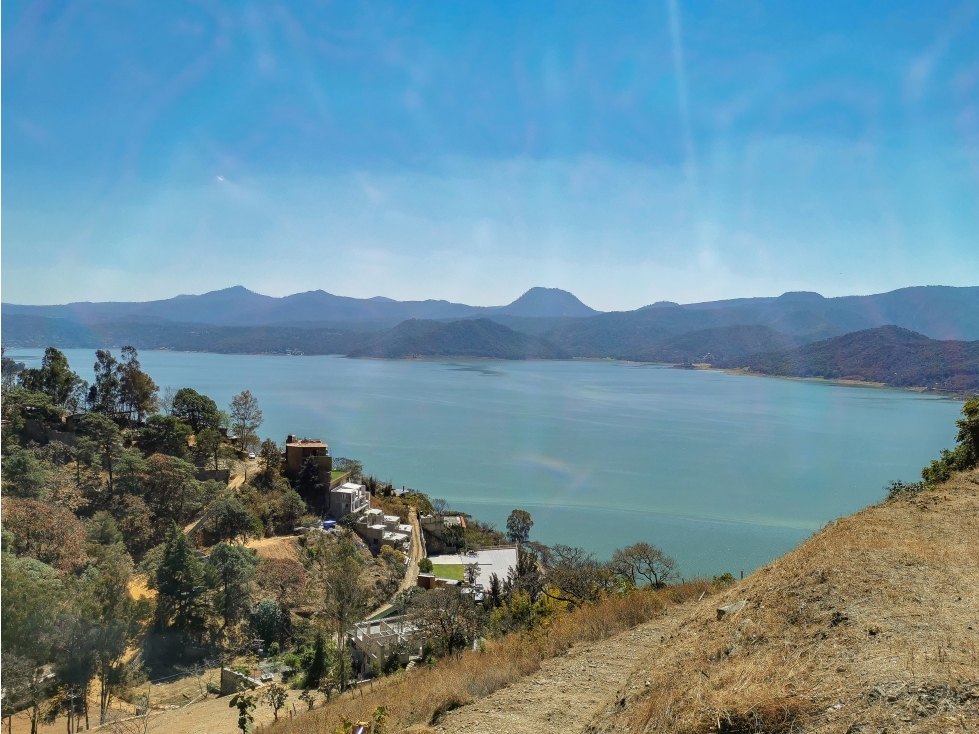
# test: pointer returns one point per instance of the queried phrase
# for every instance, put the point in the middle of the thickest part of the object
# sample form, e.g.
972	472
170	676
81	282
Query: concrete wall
213	475
232	681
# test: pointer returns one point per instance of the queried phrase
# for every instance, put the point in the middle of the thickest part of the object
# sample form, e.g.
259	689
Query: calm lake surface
723	472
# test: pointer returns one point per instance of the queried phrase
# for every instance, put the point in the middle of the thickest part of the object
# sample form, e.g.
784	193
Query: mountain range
795	334
239	306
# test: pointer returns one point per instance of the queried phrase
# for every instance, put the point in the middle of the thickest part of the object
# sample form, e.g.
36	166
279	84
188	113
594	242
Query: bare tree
471	572
439	505
447	616
165	402
644	564
574	576
204	671
138	723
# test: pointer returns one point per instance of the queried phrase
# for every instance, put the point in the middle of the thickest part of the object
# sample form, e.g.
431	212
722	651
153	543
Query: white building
381	640
349	499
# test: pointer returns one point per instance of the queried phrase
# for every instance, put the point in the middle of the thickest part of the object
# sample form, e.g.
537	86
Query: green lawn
336	475
448	570
386	613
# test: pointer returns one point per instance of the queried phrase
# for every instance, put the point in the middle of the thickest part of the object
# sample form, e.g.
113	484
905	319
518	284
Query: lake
723	472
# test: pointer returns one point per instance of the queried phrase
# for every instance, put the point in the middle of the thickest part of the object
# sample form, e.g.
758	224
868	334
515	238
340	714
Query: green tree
308	697
24	475
518	526
270	458
102	531
337	568
275	696
103	396
309	485
131	470
137	391
165	434
106	440
234	568
180	585
11	370
114	624
266	619
425	565
245	703
196	410
968	426
230	520
55	379
170	489
33	595
317	662
965	455
246	417
290	510
208	444
642	564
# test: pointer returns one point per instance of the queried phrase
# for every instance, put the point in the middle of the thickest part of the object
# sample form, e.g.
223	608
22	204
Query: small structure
232	681
379	530
349	499
431	581
437	524
382	640
298	450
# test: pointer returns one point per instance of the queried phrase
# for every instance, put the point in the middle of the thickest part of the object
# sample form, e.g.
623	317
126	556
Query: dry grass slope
870	626
423	696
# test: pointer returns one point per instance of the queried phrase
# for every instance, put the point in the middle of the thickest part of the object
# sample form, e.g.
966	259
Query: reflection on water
473	367
724	472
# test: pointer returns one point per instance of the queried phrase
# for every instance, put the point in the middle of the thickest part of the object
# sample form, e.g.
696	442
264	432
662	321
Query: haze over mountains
239	306
766	335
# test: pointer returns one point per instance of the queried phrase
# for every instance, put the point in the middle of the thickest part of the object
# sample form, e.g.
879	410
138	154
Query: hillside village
166	570
230	551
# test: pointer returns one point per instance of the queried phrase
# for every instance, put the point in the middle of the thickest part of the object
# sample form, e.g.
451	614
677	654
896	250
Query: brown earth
870	626
280	546
567	691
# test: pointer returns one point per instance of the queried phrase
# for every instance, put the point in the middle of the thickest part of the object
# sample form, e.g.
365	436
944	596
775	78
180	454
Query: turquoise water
723	472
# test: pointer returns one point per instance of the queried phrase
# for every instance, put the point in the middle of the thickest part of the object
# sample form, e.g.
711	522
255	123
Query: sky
627	152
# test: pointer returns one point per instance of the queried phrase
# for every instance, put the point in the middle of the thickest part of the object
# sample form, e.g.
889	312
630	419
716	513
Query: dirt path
569	691
411	575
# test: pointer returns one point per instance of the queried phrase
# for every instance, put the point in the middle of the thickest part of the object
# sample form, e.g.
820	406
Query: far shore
696	366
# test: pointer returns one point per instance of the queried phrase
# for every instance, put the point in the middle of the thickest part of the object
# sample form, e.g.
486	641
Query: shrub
896	488
425	565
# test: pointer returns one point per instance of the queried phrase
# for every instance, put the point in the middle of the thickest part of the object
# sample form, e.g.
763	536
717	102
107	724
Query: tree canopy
518	526
196	410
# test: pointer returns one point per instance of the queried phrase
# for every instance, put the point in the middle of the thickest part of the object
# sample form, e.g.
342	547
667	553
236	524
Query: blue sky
628	152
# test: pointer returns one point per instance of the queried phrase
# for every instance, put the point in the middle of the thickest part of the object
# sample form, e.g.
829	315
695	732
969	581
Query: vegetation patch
454	571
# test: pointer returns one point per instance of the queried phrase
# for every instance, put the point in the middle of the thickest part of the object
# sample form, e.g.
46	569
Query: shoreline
701	367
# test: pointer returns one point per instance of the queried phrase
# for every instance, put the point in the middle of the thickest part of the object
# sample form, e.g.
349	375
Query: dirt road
411	575
569	691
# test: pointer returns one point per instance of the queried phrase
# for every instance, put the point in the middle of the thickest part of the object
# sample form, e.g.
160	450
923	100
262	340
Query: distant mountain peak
547	302
802	296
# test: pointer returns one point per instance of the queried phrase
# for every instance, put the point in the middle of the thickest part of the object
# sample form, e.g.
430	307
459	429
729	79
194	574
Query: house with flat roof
300	449
349	499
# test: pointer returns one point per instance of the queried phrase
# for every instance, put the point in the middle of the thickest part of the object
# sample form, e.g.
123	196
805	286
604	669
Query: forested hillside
888	354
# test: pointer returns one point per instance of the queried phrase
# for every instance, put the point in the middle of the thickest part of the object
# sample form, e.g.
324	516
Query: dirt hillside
870	626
